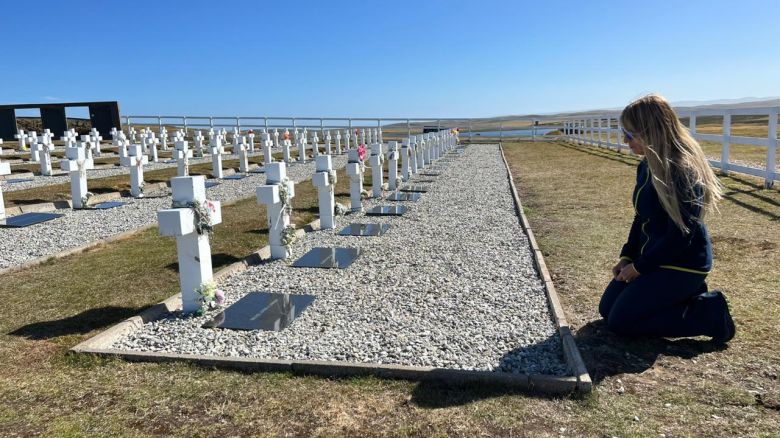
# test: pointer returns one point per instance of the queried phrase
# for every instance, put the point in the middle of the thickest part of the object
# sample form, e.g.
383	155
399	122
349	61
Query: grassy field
578	203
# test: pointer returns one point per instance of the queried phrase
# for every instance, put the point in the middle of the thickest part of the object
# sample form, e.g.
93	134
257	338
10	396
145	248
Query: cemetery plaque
17	180
27	219
262	311
328	258
404	197
234	177
364	230
108	205
387	210
431	174
210	184
415	189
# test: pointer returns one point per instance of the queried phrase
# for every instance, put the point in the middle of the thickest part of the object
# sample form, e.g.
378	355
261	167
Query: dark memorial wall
102	115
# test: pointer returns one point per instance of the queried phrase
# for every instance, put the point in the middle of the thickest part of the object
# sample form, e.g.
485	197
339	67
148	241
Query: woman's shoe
728	328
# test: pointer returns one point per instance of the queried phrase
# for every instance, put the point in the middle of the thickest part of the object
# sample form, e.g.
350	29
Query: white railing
469	127
604	130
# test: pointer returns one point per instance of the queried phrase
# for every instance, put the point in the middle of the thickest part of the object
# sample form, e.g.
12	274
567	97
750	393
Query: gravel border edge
570	351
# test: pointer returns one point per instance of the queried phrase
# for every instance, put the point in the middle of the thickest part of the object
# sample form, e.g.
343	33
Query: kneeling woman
659	284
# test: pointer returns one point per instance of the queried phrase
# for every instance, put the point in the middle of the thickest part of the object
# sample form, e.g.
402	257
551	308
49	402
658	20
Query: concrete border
554	385
570	351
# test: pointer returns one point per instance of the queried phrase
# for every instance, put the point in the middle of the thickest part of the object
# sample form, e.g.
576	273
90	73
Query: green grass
578	203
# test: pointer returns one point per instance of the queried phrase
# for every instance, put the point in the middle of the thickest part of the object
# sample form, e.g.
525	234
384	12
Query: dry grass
578	205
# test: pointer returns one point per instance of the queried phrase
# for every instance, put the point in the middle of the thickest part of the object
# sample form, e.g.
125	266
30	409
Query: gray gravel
452	284
79	227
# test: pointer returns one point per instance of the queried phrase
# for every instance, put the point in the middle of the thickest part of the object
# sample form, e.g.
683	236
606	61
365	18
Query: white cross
190	220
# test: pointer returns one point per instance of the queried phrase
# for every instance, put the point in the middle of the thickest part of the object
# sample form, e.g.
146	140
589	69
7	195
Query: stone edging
51	206
559	385
570	351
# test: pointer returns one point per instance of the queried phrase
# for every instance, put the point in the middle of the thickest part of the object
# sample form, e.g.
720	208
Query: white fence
604	130
471	128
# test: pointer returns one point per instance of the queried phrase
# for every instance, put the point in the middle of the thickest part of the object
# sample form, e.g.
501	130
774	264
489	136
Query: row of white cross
190	203
79	155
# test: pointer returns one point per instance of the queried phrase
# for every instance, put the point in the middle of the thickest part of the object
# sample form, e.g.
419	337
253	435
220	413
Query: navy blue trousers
660	304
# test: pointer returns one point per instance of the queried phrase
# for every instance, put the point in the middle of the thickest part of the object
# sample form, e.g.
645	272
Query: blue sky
403	59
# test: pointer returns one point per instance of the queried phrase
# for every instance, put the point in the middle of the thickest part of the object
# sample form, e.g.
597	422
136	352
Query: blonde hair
675	159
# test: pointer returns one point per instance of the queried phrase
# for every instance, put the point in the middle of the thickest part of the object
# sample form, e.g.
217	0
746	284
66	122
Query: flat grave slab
18	180
415	188
262	311
235	177
210	184
364	230
328	258
414	197
430	174
258	169
169	161
109	204
387	210
27	219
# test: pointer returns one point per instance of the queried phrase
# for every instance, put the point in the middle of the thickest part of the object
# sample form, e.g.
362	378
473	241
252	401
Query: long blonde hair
675	159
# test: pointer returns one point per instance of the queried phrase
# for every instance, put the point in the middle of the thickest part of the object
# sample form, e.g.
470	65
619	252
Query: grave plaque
236	176
262	311
404	197
27	219
211	184
365	230
108	205
387	210
415	189
328	258
18	180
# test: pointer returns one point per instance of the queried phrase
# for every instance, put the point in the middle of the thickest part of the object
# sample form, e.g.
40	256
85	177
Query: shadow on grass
606	354
438	394
606	153
84	322
754	192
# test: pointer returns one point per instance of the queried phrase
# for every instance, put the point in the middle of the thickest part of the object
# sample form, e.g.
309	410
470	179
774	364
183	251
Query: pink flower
219	297
362	152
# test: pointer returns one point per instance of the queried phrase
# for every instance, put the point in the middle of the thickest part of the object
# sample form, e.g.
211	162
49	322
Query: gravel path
60	177
79	227
452	284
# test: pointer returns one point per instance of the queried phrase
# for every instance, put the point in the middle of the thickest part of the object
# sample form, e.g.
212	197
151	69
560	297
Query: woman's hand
619	267
628	273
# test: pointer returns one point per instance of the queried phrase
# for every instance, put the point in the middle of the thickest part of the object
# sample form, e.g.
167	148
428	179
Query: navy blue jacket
656	242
